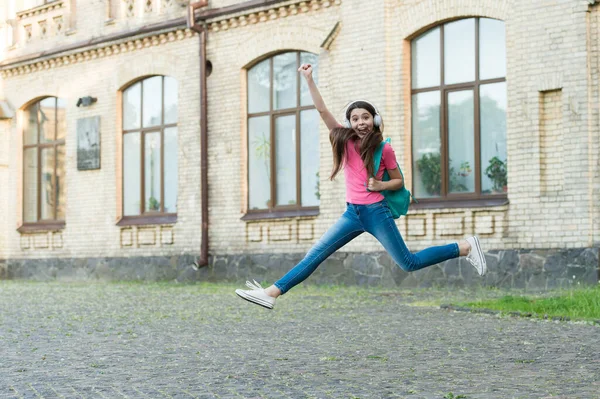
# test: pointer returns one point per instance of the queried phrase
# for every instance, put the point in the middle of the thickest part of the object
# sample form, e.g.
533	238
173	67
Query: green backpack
398	200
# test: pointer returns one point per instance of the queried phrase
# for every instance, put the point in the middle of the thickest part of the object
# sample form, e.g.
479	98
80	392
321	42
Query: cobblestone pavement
201	341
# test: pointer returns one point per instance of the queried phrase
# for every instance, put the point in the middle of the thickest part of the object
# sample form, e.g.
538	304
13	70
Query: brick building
131	144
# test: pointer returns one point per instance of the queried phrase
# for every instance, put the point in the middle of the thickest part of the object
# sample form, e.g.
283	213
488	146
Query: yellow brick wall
92	208
546	53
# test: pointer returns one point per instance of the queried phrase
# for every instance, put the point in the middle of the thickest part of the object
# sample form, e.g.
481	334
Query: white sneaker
256	295
476	256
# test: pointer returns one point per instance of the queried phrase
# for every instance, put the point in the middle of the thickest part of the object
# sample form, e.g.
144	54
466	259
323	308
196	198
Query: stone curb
513	313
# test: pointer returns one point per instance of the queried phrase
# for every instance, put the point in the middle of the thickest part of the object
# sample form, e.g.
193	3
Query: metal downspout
202	31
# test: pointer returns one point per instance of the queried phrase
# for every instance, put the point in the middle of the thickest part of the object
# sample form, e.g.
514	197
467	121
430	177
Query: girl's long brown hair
340	136
368	144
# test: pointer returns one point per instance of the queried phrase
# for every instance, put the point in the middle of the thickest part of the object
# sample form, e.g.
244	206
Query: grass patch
578	304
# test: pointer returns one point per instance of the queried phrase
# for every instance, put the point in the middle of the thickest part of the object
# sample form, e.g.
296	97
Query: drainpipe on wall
202	31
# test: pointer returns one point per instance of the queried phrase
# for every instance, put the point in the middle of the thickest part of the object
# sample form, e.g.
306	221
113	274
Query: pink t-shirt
356	174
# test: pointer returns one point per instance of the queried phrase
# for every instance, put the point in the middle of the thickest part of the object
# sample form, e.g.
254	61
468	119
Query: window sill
41	227
266	215
147	219
447	204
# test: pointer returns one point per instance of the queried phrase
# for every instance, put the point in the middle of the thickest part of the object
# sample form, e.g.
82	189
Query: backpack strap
378	154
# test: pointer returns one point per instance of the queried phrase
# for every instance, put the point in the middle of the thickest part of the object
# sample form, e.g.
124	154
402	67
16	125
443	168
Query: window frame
455	200
146	217
42	224
279	211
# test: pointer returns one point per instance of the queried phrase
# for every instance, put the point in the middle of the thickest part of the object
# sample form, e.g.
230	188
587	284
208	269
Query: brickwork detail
551	142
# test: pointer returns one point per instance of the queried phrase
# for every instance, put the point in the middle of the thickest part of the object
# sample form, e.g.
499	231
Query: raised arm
306	70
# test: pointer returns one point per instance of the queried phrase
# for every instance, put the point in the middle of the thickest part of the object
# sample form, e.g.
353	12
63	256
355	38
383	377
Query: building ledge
42	227
283	214
463	203
147	220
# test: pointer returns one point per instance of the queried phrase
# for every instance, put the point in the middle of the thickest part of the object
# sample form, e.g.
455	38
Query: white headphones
376	118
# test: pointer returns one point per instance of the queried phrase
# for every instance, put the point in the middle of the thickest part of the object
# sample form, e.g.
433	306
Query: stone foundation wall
521	269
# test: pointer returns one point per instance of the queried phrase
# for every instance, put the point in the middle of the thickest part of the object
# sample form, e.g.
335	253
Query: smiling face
361	121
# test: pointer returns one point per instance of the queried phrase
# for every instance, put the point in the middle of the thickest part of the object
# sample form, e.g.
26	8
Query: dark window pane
425	64
152	101
461	132
492	104
492	49
285	72
131	174
459	51
48	181
258	87
152	167
308	58
60	182
259	162
309	157
171	168
30	180
285	139
426	144
132	107
47	119
30	126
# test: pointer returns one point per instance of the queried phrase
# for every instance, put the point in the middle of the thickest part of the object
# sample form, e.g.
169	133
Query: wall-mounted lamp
86	101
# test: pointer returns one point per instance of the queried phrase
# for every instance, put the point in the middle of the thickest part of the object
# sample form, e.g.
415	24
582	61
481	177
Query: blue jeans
377	220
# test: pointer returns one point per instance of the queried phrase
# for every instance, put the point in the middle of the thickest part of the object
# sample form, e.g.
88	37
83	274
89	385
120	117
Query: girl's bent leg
338	235
386	231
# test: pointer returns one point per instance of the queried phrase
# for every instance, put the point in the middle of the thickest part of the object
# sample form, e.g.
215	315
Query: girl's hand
375	185
306	70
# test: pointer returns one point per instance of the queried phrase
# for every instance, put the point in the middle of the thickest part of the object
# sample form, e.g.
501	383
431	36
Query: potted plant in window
153	204
430	169
457	179
496	172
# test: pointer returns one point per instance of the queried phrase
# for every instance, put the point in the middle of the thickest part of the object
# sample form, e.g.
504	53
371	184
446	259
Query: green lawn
577	304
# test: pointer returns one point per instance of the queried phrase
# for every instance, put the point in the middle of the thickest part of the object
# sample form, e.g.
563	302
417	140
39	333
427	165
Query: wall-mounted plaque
88	143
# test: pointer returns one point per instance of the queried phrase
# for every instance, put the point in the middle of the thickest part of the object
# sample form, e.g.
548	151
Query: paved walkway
199	341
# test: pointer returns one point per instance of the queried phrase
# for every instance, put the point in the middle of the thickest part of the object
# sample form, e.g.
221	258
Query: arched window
44	131
150	147
283	136
459	111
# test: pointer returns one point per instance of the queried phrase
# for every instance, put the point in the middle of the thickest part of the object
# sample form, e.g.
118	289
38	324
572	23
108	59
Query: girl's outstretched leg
381	225
343	231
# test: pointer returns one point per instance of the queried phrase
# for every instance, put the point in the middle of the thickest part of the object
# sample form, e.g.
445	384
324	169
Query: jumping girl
353	145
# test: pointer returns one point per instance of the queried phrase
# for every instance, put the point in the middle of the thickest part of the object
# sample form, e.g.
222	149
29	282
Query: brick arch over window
420	17
278	39
144	66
